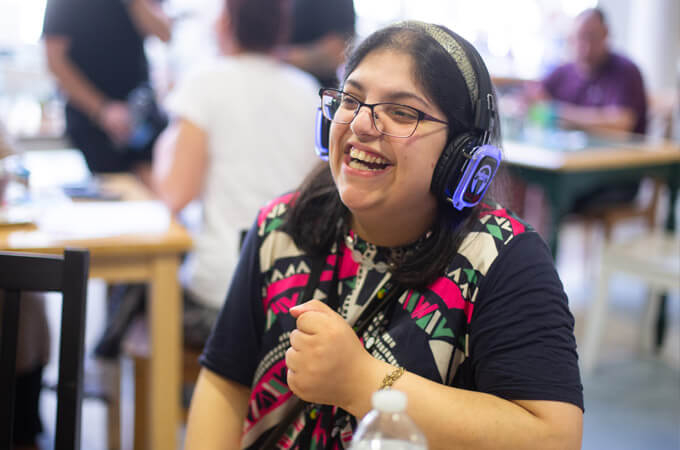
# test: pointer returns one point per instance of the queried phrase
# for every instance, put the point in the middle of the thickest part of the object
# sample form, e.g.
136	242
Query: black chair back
45	273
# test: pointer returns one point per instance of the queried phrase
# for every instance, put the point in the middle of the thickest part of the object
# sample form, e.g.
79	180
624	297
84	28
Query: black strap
362	324
314	278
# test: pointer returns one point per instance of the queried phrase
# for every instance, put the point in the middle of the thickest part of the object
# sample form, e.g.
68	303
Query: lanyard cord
361	325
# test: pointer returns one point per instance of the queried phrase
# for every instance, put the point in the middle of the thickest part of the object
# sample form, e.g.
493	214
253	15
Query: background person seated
598	91
243	132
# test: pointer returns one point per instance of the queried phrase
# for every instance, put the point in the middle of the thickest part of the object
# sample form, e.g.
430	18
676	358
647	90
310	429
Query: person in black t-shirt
321	31
388	264
95	49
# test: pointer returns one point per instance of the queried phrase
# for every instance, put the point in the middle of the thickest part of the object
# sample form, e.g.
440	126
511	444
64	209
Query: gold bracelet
390	378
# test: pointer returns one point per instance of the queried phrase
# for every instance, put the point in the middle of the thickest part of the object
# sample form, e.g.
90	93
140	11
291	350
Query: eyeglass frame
421	115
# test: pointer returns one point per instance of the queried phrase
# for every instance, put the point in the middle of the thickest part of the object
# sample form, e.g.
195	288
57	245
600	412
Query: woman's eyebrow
395	96
354	84
404	95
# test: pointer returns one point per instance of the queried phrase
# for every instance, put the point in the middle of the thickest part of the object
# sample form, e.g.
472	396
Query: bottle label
387	444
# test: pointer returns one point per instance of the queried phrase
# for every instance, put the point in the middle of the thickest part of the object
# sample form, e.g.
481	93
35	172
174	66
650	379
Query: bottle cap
389	400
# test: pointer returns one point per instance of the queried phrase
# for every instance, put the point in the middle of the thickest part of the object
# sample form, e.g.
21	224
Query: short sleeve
522	343
633	96
193	97
552	80
233	347
59	18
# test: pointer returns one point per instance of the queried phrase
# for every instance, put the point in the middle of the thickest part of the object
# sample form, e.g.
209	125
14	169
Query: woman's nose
363	122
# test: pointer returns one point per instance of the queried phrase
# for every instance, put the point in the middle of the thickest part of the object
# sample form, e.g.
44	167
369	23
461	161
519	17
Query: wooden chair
659	124
66	274
653	258
643	209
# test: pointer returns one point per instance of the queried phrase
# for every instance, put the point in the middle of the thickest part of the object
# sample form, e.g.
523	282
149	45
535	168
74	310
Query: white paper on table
87	220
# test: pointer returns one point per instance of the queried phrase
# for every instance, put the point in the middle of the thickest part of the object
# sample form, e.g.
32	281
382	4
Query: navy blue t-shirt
496	322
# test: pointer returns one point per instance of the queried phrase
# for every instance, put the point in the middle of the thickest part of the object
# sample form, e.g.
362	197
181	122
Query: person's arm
595	119
218	409
180	162
149	18
112	116
321	57
587	118
449	417
482	421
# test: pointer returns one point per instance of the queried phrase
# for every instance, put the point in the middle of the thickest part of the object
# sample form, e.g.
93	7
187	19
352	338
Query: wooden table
150	258
565	173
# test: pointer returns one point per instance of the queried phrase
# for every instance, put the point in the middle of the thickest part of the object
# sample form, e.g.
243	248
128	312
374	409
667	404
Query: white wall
655	41
648	31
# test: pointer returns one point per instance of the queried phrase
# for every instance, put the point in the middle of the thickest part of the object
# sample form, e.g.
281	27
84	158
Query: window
519	38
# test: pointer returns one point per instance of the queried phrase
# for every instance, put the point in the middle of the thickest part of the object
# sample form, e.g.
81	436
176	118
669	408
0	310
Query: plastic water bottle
387	426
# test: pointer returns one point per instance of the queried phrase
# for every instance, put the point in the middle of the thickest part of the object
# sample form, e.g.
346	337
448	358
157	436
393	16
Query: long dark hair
318	218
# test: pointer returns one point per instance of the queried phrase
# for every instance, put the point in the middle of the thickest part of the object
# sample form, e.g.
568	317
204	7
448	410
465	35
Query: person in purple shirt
600	89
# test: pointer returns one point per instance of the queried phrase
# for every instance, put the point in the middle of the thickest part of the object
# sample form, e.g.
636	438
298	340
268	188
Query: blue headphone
469	162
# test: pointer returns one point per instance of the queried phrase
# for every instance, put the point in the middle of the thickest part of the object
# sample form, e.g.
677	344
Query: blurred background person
599	90
242	133
95	49
321	32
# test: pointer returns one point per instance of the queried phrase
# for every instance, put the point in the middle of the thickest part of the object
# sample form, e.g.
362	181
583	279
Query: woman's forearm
456	418
218	409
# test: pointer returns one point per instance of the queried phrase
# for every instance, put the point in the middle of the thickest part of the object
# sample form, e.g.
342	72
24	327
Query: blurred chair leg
595	323
141	403
661	319
113	411
590	258
646	338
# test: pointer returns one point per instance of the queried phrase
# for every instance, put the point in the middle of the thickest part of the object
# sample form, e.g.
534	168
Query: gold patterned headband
453	48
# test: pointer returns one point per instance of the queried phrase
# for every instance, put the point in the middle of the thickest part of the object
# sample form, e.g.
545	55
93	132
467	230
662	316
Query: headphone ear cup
323	128
446	173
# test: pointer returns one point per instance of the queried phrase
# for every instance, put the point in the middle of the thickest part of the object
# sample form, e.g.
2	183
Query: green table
567	164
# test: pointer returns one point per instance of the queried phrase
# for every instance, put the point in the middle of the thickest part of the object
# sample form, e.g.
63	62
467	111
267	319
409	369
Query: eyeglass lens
389	118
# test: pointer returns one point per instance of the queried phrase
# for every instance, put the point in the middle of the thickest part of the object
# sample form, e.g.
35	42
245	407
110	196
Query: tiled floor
632	400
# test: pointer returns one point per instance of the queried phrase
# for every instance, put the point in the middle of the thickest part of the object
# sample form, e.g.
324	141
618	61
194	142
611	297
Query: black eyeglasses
391	119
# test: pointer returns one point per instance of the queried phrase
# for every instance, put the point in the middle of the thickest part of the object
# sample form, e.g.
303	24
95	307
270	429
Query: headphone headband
453	47
468	61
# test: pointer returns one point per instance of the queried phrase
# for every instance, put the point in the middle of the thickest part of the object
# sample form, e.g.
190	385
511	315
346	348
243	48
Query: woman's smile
362	161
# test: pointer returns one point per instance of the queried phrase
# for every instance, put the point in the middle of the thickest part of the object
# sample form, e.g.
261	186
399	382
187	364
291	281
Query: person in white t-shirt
242	133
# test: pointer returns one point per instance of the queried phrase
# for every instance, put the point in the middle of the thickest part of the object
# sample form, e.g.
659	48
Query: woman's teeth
364	161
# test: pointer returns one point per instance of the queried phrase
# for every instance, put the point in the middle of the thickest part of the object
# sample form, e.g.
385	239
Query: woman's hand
326	360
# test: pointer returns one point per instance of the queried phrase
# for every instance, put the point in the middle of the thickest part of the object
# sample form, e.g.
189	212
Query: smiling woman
392	240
